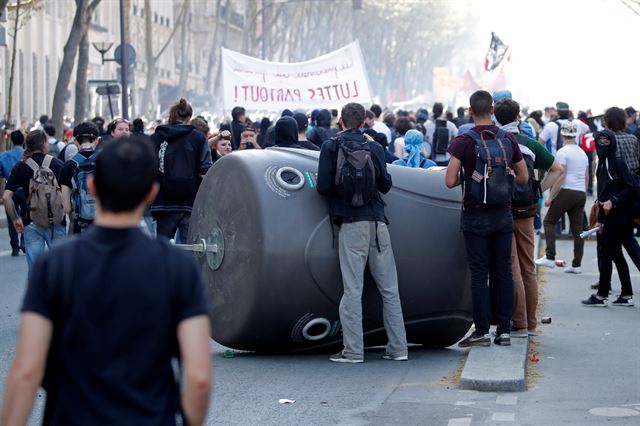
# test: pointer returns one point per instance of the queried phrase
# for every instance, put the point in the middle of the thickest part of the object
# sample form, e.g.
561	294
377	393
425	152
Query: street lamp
103	47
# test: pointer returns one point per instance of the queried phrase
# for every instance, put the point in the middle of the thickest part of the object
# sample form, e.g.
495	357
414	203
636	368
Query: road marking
5	253
465	403
506	400
464	421
503	417
614	412
630	405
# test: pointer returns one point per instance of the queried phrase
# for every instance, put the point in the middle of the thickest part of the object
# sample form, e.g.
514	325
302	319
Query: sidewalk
3	217
560	297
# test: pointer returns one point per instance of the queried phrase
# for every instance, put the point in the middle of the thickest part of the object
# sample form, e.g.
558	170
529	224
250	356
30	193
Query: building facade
44	32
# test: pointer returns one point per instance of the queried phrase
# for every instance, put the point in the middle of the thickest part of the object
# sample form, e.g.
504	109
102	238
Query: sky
583	52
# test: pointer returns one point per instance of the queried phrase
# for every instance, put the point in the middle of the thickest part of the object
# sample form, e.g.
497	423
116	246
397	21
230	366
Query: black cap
86	129
630	111
302	120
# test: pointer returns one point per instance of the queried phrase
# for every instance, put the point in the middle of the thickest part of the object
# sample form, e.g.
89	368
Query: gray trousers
357	248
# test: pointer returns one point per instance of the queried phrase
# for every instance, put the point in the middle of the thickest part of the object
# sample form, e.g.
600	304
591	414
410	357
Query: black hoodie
286	132
177	145
322	131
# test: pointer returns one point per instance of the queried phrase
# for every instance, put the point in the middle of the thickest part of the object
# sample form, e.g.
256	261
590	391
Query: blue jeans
167	224
35	237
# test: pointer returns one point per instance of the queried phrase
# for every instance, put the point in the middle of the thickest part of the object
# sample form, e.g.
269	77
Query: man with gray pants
352	173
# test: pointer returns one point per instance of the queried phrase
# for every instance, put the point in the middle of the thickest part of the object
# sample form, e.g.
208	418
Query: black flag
496	53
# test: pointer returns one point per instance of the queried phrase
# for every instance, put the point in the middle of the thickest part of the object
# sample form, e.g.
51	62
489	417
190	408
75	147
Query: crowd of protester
549	158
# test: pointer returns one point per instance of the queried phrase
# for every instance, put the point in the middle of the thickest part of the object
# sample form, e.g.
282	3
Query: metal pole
124	65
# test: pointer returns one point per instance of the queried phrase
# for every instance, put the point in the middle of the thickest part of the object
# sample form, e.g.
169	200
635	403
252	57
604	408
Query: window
34	85
155	18
162	20
168	24
135	9
21	75
47	83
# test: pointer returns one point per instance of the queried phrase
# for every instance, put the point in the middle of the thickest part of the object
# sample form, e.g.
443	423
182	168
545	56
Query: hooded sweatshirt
286	133
614	181
322	131
179	145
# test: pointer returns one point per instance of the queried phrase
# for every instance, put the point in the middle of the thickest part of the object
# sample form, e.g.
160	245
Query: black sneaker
15	252
476	340
503	340
621	301
593	301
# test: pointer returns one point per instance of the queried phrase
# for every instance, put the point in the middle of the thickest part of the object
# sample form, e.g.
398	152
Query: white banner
328	81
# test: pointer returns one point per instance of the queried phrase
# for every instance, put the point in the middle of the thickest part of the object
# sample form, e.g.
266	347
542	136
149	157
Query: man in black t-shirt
35	237
87	136
101	340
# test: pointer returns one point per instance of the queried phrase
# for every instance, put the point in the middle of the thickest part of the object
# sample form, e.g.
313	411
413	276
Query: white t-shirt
575	163
430	127
380	127
550	131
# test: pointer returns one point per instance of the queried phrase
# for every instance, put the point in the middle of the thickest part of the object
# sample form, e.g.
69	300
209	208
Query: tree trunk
66	67
12	72
81	79
184	56
213	53
150	60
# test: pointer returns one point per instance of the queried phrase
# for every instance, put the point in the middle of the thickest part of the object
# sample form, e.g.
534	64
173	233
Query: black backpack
177	166
491	182
440	137
524	202
355	177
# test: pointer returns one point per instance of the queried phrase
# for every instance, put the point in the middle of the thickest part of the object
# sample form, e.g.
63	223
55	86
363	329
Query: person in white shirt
568	195
378	125
440	158
550	130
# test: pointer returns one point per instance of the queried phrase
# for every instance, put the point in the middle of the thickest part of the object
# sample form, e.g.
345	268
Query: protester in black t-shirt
101	340
87	136
35	237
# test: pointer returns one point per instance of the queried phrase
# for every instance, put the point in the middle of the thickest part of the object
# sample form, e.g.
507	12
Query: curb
497	368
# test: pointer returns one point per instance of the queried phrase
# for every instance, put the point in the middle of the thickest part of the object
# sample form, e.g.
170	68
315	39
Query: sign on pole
328	81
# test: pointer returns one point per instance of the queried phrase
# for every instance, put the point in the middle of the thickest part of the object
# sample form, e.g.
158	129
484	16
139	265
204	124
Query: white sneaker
573	270
543	261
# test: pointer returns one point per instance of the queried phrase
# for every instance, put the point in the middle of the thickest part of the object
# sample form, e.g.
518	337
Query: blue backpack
84	204
491	182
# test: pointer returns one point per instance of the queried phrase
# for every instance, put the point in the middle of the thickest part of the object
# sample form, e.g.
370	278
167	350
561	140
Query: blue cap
499	95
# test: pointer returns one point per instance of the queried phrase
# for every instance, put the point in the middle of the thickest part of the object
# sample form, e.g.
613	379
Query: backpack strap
46	163
32	164
78	158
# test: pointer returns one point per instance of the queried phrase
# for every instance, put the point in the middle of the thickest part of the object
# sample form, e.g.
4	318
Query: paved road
588	360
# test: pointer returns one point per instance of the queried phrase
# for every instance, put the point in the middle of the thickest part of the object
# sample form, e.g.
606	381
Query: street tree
79	27
19	14
151	57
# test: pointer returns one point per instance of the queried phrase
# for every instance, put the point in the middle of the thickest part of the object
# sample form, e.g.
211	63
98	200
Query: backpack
44	202
441	138
84	205
559	140
63	153
177	165
355	177
54	151
524	202
491	182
